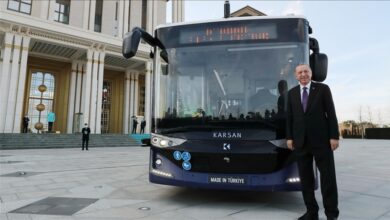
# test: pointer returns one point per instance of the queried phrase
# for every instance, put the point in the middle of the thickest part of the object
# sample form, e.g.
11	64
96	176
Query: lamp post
40	107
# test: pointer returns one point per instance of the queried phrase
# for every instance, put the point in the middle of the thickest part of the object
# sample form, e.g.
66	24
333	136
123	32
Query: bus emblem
227	135
226	146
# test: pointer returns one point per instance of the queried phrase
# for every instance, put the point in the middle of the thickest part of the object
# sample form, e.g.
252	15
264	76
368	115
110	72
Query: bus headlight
162	173
293	180
158	161
163	141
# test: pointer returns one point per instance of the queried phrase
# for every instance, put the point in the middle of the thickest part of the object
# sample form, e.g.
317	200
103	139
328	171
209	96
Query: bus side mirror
131	43
319	66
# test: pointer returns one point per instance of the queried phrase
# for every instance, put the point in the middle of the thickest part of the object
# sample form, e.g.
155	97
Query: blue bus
219	100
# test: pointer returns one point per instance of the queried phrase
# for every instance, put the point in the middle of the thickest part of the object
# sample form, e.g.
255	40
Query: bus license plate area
231	180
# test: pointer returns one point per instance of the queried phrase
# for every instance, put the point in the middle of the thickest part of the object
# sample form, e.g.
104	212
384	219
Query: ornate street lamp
40	107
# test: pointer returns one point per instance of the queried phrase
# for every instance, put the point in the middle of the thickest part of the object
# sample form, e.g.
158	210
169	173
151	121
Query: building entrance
40	99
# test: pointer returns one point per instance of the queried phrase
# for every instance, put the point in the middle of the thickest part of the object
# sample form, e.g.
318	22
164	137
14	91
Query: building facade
64	56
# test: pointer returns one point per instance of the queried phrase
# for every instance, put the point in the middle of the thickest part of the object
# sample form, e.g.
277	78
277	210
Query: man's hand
290	144
334	144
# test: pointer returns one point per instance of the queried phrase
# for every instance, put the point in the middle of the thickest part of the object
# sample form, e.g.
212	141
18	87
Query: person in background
51	118
26	120
143	124
312	132
85	132
135	124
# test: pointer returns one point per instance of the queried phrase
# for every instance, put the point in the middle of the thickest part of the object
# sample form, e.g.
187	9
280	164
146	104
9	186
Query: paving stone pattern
112	183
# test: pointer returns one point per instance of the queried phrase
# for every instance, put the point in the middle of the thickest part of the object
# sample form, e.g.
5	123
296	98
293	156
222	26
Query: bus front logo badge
226	146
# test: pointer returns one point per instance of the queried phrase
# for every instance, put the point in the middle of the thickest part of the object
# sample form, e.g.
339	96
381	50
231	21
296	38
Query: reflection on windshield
227	85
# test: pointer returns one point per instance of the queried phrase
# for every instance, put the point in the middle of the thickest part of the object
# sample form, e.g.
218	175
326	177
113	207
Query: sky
354	34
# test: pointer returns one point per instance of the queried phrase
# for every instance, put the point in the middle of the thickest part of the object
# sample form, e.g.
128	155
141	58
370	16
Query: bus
219	100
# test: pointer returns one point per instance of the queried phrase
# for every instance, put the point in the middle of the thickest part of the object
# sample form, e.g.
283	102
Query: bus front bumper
167	173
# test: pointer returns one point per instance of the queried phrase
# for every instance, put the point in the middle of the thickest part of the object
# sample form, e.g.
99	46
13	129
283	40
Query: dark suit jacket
85	132
318	124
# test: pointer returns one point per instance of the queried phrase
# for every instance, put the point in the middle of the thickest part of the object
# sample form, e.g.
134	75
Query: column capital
90	53
9	37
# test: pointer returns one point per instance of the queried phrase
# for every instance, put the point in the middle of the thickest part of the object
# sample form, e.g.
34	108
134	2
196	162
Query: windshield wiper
189	128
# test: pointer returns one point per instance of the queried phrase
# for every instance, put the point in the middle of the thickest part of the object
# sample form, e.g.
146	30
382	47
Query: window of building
36	97
144	13
23	6
98	16
61	11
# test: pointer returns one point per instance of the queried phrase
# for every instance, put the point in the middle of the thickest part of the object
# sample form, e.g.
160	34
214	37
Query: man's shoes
309	216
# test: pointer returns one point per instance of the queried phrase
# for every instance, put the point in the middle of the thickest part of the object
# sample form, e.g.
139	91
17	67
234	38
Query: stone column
149	17
79	96
126	101
125	17
13	85
177	11
120	18
92	13
44	5
93	102
100	93
87	87
148	106
136	94
4	78
131	113
79	87
51	10
86	15
71	98
21	84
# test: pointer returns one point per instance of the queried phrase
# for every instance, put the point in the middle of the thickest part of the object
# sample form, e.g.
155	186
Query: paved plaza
112	183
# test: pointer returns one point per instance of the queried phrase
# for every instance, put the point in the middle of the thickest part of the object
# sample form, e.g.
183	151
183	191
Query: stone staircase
36	141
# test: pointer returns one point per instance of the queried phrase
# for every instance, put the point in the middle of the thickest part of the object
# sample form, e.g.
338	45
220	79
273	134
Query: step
31	141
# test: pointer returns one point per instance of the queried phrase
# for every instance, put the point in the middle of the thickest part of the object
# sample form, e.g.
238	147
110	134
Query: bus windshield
225	85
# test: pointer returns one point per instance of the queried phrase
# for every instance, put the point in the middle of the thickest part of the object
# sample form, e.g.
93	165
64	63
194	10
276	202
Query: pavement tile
118	178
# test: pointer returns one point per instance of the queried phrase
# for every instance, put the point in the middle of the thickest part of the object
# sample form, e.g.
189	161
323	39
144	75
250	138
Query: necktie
305	96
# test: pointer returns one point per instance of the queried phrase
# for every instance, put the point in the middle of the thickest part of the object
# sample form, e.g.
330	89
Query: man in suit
26	120
312	132
135	124
85	132
143	124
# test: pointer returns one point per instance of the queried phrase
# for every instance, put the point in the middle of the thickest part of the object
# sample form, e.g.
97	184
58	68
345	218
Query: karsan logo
228	135
226	146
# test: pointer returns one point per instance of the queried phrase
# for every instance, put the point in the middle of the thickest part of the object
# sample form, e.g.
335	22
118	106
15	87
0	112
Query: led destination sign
225	32
234	32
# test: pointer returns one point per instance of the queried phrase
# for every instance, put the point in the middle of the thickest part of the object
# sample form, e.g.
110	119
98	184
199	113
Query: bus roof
228	19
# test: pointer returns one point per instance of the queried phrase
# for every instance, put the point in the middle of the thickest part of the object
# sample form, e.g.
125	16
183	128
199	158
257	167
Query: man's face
303	74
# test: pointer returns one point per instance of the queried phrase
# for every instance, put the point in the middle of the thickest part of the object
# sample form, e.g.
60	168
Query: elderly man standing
312	131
